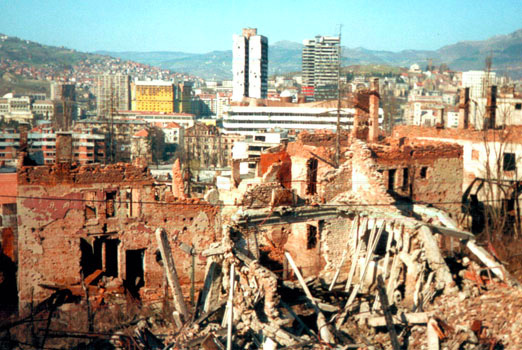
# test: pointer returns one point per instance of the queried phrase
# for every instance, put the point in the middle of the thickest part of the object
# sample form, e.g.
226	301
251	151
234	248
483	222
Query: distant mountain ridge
285	56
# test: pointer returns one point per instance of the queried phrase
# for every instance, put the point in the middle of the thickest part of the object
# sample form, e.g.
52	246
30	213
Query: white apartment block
249	65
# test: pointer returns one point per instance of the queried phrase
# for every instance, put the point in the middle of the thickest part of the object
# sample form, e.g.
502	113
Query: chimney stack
442	121
464	108
356	122
64	147
491	108
373	135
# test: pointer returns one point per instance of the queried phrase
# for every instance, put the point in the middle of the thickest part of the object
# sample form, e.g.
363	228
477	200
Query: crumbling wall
366	180
431	173
284	162
267	195
309	165
305	245
74	220
334	241
336	181
304	241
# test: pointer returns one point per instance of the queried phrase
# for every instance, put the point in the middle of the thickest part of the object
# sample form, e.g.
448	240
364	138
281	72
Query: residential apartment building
113	94
153	96
206	144
9	145
212	104
173	132
63	91
88	145
250	65
184	97
320	67
119	135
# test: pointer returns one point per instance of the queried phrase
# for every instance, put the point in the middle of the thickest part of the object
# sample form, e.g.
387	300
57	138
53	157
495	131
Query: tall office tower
249	65
63	96
184	97
154	96
65	91
112	94
320	67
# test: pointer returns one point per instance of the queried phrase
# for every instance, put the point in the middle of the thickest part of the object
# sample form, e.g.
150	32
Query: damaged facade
334	241
98	223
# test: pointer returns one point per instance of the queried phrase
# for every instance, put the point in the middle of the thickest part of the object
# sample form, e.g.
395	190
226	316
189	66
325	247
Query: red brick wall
56	217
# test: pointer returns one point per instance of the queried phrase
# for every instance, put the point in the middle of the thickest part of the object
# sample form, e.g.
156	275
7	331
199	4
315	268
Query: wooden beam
230	307
387	315
170	270
325	333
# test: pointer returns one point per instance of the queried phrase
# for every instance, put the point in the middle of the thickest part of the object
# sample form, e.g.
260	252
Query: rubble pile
399	293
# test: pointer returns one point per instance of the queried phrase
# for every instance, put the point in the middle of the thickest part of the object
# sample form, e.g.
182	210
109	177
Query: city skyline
200	27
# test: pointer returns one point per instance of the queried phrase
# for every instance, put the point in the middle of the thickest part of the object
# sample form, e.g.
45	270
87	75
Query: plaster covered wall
62	208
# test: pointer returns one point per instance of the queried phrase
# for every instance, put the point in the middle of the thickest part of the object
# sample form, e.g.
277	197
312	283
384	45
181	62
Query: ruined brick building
387	177
97	223
385	208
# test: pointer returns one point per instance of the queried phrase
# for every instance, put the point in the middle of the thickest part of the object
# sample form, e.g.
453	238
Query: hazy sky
202	26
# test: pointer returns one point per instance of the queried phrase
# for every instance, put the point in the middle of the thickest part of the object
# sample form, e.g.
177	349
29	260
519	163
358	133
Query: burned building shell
77	222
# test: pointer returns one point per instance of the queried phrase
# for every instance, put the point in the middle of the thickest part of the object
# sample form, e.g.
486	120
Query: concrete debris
306	255
435	302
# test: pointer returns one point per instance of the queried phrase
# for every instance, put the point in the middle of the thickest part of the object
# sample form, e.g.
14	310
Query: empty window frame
509	163
391	179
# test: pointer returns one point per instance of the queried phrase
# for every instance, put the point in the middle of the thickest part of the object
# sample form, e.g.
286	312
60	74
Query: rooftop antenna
338	135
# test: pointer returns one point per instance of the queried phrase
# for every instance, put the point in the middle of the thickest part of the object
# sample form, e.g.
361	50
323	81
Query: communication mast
338	134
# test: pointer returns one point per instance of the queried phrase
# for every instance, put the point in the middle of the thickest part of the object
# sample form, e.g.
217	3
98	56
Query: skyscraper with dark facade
320	67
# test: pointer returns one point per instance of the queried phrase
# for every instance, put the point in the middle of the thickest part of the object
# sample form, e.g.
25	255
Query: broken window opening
128	201
423	172
509	163
405	178
134	271
159	259
391	179
311	175
110	205
91	256
111	257
311	233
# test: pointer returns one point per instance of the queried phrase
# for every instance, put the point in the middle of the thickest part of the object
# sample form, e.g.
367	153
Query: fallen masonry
311	256
393	279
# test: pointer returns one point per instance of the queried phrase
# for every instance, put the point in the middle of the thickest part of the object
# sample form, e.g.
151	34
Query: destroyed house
361	258
302	178
95	225
311	251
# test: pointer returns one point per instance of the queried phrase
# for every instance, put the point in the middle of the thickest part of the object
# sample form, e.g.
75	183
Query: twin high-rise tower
321	59
321	67
249	65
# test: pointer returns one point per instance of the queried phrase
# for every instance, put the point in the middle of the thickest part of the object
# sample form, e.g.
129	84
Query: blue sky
202	26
